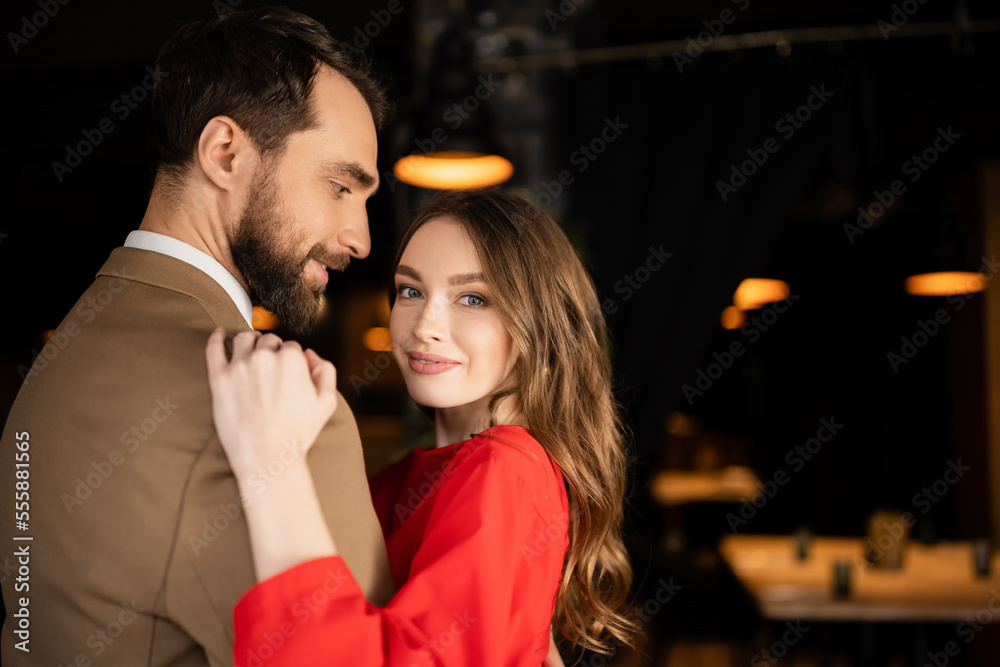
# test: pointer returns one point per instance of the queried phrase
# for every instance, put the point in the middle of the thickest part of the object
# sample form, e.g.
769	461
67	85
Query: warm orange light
733	318
377	339
264	320
756	292
944	283
453	170
682	425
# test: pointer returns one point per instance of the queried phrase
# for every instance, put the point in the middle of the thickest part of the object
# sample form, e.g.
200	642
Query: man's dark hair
255	66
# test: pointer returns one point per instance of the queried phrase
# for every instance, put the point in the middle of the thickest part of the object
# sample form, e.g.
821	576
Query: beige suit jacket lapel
159	270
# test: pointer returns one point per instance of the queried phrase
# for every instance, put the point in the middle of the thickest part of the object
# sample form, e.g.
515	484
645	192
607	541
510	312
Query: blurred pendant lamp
754	293
454	147
732	318
945	268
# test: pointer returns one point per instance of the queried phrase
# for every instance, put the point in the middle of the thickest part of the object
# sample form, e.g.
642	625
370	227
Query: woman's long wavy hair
563	386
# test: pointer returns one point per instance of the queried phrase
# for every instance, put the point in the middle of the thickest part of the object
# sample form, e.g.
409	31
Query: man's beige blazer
139	547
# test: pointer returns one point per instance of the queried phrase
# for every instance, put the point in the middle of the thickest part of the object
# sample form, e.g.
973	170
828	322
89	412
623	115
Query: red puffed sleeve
384	488
480	591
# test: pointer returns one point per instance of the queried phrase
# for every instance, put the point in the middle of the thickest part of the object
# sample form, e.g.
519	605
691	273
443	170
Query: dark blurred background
681	110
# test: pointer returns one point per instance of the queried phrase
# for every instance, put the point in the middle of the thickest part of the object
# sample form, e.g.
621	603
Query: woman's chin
428	399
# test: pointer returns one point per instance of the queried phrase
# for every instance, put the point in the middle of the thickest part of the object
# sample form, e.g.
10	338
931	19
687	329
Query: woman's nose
431	324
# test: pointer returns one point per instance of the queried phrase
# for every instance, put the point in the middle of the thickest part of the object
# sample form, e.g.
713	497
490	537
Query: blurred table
937	582
678	487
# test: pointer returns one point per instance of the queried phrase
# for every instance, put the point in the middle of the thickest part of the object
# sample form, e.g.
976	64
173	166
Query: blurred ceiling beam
781	39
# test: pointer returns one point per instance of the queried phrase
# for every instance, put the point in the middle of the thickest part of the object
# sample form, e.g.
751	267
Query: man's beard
261	250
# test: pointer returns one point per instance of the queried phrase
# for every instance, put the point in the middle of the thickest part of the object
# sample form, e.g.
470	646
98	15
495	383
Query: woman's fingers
269	393
243	344
215	353
324	375
315	362
269	341
323	372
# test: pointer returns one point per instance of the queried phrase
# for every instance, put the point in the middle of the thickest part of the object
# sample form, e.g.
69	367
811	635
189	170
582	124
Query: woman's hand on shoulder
269	401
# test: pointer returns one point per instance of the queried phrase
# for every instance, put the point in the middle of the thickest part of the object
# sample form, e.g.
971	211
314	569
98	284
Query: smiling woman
448	338
508	529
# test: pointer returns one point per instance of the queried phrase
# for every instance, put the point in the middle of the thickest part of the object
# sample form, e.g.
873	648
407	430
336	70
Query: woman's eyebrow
466	278
458	279
407	271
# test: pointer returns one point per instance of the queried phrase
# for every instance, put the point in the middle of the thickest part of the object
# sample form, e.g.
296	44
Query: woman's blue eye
408	292
474	300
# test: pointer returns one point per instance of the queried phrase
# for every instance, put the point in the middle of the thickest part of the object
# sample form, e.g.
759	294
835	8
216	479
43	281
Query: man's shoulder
142	281
135	324
121	346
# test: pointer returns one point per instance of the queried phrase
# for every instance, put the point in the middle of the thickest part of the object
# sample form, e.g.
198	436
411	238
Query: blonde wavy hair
563	386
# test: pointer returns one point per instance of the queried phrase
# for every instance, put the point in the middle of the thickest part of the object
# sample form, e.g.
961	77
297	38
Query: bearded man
132	538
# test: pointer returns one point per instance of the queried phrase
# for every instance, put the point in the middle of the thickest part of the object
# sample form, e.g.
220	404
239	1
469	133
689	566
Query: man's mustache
338	262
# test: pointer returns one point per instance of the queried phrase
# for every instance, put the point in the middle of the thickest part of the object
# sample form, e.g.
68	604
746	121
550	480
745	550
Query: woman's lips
430	364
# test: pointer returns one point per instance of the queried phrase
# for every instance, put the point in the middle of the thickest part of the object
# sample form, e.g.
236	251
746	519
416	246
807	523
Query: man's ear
225	154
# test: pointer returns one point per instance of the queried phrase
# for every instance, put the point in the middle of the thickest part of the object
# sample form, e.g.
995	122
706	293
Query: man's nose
354	234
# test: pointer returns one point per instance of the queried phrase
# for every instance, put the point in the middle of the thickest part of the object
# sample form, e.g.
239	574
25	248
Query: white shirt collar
177	249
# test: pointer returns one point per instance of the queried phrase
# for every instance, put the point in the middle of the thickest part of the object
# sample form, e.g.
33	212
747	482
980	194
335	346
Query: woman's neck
453	425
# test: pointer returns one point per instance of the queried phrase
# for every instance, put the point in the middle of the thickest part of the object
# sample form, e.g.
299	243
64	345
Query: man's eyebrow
351	170
459	279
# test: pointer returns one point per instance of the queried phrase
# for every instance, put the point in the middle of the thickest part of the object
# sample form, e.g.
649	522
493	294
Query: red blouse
476	532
